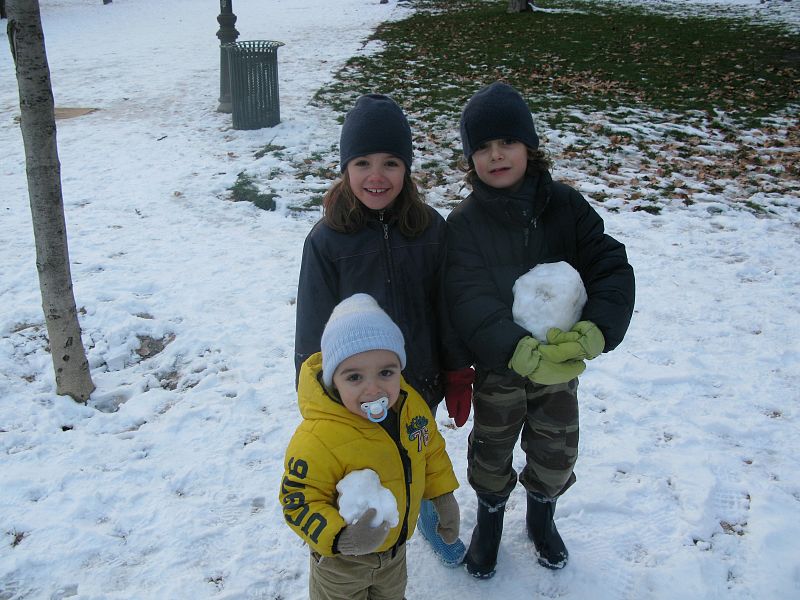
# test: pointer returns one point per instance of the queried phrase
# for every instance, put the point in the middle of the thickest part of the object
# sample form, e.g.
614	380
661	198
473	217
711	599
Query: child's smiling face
366	377
376	179
501	163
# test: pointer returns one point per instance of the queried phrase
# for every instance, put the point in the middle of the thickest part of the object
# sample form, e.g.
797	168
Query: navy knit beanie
375	124
496	112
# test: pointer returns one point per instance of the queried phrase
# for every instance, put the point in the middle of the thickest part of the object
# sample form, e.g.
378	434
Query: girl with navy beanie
378	237
525	388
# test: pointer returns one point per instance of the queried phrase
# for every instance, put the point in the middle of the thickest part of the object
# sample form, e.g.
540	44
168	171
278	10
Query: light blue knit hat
358	324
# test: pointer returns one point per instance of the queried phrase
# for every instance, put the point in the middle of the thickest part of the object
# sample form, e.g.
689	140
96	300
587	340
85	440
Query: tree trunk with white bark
47	206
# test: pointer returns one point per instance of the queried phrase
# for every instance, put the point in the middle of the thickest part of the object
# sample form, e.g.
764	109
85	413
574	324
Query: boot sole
480	574
552	566
546	563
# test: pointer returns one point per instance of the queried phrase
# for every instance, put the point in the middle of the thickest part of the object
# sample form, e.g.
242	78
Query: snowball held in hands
361	490
549	295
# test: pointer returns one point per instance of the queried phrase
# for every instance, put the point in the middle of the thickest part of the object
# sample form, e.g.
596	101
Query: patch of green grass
755	207
317	165
648	208
245	190
262	152
319	171
312	203
598	55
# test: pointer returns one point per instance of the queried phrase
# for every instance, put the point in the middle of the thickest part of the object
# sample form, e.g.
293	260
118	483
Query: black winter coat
494	238
404	275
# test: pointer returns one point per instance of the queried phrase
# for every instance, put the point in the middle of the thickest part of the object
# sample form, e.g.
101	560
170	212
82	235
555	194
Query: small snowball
361	490
549	295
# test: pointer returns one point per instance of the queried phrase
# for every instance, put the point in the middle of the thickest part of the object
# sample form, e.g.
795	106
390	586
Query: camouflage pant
547	417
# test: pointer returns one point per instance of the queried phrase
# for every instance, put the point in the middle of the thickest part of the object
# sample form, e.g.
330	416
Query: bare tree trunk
515	6
47	204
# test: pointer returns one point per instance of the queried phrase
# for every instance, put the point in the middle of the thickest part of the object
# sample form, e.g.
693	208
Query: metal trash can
253	71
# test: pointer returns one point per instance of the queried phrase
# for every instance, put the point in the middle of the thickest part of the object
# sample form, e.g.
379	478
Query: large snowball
361	490
549	295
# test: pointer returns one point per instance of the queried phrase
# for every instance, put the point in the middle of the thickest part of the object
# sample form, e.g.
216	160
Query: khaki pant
376	576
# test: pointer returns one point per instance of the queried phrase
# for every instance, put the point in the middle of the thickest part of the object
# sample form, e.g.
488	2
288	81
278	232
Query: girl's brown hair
538	162
345	213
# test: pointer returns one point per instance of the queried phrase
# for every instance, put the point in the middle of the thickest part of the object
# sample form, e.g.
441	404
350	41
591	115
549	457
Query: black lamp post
227	33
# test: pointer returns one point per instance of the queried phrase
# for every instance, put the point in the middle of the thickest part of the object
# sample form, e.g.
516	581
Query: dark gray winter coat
404	275
494	238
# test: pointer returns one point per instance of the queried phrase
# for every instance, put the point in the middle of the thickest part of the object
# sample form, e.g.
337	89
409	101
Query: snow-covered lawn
165	485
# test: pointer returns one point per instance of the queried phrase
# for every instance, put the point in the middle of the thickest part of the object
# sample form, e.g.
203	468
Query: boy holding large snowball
363	423
516	218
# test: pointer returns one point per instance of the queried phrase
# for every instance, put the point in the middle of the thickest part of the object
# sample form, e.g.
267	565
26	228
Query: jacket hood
314	401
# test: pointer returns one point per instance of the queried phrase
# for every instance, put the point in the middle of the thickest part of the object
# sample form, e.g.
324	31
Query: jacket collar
518	208
383	217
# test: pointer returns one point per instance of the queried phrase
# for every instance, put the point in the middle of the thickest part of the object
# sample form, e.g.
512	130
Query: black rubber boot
481	557
543	533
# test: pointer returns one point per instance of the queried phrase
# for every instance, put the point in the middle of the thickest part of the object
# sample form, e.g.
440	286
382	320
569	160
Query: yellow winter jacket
331	442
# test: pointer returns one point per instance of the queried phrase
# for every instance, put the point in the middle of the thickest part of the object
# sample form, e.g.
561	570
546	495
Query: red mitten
458	393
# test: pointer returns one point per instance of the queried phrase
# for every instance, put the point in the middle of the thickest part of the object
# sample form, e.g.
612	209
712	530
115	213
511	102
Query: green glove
529	362
551	373
525	358
583	341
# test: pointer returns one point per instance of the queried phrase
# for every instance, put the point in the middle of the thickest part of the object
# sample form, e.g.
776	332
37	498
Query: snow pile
549	295
361	490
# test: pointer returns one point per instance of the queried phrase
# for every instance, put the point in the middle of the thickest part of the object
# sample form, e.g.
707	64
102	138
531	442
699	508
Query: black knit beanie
375	124
496	112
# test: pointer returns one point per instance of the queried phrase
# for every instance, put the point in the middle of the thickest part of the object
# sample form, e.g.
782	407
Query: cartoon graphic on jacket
331	442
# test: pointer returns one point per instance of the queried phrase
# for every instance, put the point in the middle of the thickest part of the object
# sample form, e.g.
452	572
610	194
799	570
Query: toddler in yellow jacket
359	413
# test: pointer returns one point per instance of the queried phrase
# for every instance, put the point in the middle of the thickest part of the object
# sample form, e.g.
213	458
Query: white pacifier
377	410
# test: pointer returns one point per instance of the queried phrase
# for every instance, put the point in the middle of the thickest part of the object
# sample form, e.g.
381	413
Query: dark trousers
544	418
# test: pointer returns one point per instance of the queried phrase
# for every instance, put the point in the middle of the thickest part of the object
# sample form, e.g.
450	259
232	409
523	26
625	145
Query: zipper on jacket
403	537
405	460
388	254
532	224
384	225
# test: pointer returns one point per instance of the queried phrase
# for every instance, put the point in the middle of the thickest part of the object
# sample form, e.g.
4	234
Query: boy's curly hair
538	162
344	212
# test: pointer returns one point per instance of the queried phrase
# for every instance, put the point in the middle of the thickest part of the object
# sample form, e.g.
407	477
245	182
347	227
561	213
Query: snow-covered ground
165	485
786	12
